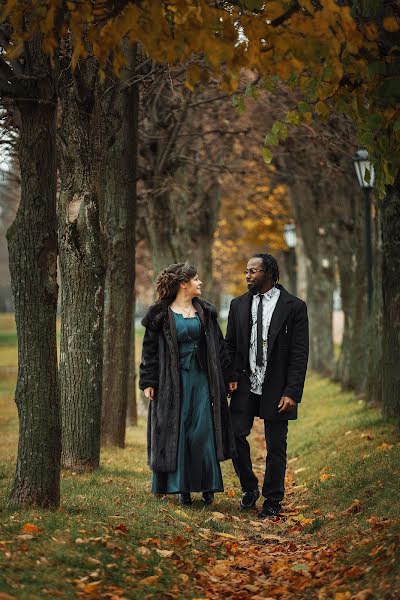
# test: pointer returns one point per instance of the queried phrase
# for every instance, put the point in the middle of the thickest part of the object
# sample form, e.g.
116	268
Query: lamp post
361	165
289	235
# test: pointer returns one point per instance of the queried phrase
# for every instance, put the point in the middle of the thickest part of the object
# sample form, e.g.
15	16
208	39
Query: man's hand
285	404
149	393
232	386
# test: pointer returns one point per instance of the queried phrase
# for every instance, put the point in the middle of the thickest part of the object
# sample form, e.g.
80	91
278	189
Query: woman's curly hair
169	280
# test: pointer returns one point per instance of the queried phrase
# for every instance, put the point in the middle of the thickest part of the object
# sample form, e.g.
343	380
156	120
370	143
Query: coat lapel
279	316
245	321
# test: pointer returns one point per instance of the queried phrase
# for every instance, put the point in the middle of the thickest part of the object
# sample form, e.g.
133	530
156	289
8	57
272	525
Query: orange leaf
149	580
89	588
354	508
384	446
30	528
391	24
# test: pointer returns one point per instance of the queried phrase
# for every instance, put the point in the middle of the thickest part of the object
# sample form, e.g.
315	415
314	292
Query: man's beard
253	288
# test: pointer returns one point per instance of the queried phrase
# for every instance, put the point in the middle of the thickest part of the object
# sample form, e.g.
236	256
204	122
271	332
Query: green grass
109	526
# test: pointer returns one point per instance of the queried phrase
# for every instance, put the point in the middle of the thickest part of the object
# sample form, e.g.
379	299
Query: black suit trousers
276	440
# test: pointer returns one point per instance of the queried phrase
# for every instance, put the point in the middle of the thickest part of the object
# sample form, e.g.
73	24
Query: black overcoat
160	369
287	354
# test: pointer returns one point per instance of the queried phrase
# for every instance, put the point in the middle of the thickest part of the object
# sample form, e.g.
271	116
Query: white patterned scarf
257	373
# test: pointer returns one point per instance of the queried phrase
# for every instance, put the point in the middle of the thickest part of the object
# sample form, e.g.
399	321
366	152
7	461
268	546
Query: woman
189	427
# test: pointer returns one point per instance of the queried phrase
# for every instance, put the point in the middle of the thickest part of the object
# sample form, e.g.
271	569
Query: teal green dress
197	469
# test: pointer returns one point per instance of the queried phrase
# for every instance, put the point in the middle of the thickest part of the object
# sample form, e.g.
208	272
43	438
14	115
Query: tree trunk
316	234
82	270
360	317
320	286
120	220
391	301
373	389
132	416
32	243
346	275
348	246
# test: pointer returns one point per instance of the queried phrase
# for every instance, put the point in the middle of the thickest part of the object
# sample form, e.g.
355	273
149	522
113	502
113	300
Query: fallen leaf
218	515
4	596
31	528
354	508
24	536
183	577
300	470
384	446
231	493
149	580
367	436
143	551
121	527
164	553
342	595
252	588
272	538
89	588
325	476
364	594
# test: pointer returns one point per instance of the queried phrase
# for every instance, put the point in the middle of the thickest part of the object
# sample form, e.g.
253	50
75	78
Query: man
267	339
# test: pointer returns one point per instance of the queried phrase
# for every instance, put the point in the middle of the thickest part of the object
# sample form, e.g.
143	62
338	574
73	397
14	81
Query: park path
279	558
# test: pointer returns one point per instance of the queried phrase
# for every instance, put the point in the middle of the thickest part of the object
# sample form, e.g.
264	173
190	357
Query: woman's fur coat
160	369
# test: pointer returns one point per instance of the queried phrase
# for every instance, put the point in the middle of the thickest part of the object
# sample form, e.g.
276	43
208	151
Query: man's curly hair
168	281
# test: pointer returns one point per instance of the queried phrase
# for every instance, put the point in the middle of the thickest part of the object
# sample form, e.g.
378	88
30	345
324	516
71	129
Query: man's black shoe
249	499
185	499
269	510
208	498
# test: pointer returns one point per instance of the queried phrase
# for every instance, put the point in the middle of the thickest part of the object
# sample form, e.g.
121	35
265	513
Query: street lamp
289	235
362	164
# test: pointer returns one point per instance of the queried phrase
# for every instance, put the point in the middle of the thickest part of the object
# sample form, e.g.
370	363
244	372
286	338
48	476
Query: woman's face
193	286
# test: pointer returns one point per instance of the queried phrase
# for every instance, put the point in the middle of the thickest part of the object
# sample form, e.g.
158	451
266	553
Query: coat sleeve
298	355
149	366
231	345
223	354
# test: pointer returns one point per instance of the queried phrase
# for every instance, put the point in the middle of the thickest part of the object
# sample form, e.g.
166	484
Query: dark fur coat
160	369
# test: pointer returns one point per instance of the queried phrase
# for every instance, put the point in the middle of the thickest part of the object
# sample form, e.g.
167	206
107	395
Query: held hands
285	404
149	393
232	386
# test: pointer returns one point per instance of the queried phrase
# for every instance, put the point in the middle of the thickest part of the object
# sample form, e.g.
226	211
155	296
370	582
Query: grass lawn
112	539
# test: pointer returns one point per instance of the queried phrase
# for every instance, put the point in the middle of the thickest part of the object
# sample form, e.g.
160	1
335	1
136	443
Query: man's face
256	277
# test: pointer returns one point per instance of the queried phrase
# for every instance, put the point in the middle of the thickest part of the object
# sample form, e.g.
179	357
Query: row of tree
79	119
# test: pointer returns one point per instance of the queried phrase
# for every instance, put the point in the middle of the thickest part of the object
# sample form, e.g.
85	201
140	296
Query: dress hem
214	491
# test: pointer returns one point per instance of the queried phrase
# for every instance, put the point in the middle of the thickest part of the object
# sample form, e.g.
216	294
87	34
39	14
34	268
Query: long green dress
197	469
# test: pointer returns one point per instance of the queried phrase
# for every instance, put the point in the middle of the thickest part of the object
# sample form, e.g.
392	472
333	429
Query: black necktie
260	354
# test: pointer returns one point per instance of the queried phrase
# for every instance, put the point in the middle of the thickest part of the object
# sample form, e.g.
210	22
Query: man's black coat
287	354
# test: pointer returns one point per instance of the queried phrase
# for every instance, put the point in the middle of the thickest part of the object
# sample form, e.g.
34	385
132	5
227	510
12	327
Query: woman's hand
232	386
149	393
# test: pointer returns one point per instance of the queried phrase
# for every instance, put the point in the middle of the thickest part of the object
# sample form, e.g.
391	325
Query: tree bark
32	242
360	317
391	301
132	416
120	221
317	239
348	247
82	268
373	389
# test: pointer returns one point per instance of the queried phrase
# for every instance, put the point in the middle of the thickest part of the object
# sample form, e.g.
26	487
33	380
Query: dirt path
280	558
